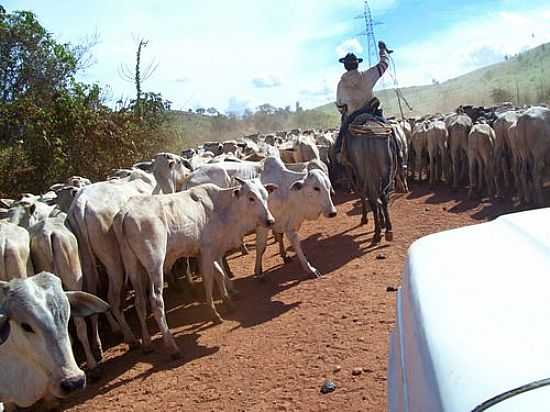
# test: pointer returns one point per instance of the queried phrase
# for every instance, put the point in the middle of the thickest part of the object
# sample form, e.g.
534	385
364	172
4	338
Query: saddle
368	126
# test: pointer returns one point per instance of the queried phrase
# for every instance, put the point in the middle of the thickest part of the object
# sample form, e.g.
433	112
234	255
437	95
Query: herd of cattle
132	228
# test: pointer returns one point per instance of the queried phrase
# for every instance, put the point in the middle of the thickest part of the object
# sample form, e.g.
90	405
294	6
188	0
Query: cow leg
471	174
82	333
207	270
141	307
261	241
433	169
156	285
224	284
295	241
279	238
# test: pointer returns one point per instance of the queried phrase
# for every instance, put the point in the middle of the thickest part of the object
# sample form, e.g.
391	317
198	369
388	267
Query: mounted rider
354	95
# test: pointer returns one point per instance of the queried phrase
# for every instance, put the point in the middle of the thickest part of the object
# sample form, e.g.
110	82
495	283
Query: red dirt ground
289	333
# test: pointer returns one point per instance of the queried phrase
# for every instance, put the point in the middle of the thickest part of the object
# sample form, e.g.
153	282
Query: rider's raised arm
376	72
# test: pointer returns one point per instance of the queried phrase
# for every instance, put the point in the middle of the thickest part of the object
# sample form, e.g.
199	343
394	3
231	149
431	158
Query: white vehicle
473	320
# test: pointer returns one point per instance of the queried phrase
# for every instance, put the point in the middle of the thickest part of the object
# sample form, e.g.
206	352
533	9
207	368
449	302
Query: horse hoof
94	374
176	356
389	236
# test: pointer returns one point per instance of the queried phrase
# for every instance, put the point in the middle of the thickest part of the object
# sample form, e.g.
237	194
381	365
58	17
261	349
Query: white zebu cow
305	149
90	218
15	258
300	197
205	221
54	248
218	173
481	145
36	359
437	150
171	172
533	128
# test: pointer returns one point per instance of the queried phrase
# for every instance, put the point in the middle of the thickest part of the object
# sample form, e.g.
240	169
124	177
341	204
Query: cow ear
298	185
171	164
270	187
237	193
85	304
32	209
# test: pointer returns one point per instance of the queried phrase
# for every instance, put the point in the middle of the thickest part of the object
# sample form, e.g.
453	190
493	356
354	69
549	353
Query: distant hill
522	79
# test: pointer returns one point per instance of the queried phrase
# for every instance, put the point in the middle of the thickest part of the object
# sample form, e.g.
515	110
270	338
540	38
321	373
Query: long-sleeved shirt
355	87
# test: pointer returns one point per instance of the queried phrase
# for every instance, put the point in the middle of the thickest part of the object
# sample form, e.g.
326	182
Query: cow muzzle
269	222
72	384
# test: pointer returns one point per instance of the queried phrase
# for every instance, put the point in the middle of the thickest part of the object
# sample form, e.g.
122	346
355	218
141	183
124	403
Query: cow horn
238	179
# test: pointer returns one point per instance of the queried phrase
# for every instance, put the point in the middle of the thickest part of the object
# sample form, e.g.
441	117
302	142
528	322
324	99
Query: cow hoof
287	259
146	349
93	375
389	236
261	277
364	221
133	345
376	239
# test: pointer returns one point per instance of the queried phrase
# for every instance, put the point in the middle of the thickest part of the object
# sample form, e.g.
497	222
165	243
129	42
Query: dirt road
291	332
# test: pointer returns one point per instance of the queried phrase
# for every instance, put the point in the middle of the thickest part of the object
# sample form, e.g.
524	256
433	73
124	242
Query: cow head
34	316
316	191
252	195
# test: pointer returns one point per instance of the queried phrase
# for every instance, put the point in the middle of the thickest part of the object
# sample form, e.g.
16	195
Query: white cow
90	218
481	145
155	231
15	258
171	172
54	248
218	173
437	150
36	359
300	197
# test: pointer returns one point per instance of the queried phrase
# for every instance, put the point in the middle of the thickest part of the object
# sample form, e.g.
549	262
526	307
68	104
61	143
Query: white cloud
266	82
471	44
349	46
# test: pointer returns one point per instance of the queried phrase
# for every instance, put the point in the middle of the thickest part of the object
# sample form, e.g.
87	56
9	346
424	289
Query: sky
234	55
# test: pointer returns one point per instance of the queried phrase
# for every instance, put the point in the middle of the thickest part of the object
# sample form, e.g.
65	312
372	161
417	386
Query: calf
36	360
205	221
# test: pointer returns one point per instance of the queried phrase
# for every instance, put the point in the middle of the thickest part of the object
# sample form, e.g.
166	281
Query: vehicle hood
473	317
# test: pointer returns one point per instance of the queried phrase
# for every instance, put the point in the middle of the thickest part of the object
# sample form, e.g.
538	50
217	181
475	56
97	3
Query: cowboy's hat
350	58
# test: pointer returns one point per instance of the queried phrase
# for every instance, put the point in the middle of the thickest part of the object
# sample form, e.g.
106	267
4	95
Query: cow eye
317	189
251	199
27	328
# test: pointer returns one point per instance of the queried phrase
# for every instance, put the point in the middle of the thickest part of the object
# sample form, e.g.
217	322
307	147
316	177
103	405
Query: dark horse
373	161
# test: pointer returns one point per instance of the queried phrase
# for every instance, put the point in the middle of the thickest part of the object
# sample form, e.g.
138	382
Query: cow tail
118	227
